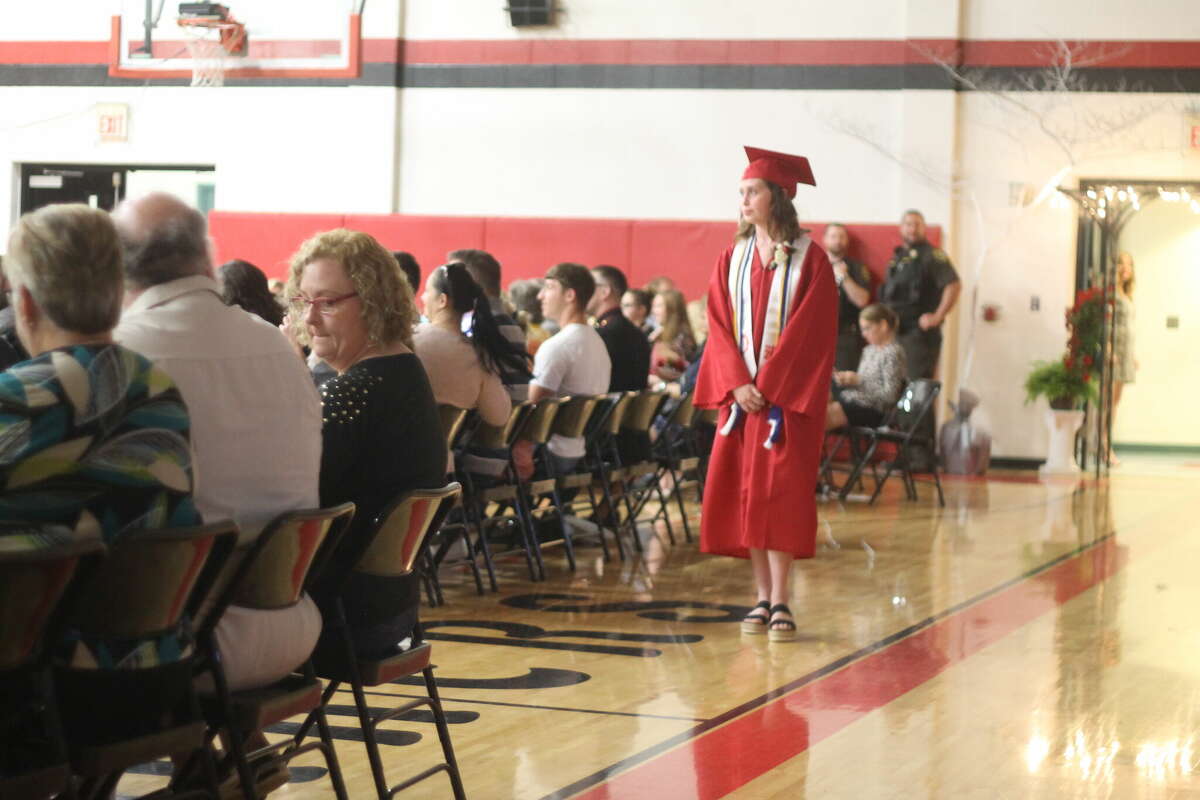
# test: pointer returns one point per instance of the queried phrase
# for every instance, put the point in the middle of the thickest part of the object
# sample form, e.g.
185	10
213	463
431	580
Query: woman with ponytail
465	370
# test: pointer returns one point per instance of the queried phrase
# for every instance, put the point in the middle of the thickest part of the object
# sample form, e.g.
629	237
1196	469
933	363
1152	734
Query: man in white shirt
256	416
255	413
573	361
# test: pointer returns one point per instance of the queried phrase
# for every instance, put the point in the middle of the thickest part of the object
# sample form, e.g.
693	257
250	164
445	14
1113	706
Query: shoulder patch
940	254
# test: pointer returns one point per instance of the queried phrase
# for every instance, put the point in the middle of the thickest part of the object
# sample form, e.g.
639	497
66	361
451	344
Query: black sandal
754	623
786	633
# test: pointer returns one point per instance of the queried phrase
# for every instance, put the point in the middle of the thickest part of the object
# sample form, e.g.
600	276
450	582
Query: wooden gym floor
1030	640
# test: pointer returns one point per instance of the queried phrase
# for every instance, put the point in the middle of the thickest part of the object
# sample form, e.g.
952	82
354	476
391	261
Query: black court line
624	764
550	708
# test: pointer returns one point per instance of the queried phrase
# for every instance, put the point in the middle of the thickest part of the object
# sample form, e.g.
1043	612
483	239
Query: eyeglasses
324	305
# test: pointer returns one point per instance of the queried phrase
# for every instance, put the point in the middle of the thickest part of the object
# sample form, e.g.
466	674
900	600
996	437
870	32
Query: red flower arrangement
1068	382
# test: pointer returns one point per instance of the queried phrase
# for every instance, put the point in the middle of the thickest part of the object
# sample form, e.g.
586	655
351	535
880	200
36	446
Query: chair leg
439	717
568	544
678	480
526	502
613	512
327	747
937	481
856	471
879	486
485	548
599	527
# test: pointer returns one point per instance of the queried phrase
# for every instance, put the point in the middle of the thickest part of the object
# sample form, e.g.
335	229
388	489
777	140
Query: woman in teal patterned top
92	436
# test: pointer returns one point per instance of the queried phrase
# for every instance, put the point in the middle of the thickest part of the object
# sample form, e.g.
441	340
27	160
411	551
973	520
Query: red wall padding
526	247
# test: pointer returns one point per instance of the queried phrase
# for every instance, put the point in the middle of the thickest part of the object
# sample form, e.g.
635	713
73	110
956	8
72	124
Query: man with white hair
256	416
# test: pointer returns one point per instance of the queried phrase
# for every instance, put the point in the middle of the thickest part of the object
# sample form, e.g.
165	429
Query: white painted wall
1160	406
293	149
1010	253
661	154
1074	20
664	19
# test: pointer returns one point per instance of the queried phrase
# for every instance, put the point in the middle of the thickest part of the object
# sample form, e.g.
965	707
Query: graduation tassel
735	416
775	421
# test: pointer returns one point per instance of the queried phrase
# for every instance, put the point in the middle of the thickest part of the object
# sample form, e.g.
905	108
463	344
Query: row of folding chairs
905	430
617	485
153	582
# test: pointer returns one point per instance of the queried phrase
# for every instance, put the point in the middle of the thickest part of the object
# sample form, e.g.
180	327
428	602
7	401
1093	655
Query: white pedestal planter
1060	459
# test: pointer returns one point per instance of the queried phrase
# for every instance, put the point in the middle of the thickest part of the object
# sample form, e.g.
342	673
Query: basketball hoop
210	55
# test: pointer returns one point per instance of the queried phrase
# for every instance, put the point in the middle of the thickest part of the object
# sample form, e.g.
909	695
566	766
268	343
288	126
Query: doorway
104	185
1157	410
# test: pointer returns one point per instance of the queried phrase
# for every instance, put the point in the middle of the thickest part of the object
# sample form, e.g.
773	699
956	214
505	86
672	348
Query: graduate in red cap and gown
772	313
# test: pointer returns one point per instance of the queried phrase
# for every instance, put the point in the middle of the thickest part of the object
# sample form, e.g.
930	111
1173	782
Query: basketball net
208	58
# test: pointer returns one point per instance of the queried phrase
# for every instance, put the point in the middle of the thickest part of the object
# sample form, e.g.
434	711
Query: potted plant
1064	387
1069	382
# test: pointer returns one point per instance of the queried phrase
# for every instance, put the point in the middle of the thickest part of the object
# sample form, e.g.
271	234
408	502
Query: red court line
720	761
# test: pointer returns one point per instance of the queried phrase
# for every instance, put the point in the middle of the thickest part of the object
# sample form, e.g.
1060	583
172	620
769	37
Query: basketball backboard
286	40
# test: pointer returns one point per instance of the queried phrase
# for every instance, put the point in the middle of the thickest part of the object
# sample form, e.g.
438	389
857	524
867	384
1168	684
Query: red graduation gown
756	497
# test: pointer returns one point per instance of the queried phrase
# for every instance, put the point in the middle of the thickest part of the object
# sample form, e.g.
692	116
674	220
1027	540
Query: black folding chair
902	428
679	457
641	469
537	429
490	504
603	459
41	570
456	426
274	574
152	583
392	549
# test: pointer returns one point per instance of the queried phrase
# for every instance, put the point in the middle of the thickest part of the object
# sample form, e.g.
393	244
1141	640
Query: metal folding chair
392	549
274	574
41	570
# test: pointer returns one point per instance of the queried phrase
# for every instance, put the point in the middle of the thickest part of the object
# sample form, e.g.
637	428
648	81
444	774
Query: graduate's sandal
754	622
781	630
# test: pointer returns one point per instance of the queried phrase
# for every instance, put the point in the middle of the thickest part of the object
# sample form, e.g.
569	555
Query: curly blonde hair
388	309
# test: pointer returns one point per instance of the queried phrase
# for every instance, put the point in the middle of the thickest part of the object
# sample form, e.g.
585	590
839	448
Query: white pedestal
1060	459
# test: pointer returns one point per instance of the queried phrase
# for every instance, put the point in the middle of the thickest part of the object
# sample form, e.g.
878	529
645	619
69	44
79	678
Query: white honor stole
786	268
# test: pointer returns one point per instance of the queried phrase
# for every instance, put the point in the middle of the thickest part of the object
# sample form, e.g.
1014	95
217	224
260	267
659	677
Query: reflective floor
1029	640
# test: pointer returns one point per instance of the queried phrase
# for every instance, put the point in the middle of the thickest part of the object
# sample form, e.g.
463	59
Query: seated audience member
659	285
410	268
351	303
573	361
628	347
464	370
674	343
485	269
697	314
245	285
11	349
635	305
256	416
524	297
86	422
863	398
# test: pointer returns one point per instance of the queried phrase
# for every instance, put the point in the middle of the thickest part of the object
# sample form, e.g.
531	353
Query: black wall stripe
625	76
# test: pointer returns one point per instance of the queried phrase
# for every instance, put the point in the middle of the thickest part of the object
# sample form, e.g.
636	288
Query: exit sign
112	122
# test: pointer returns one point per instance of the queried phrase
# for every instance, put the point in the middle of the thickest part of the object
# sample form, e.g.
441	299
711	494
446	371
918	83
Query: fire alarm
991	313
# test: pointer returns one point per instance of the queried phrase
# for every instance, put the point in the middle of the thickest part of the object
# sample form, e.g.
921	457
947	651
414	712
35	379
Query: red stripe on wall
729	757
53	52
651	52
684	250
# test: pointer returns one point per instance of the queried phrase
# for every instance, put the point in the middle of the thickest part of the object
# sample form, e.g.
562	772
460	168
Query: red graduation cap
779	168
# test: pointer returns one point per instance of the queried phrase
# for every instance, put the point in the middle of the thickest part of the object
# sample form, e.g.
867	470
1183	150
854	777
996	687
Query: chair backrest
497	437
540	422
398	534
641	411
39	569
152	579
276	570
914	404
684	412
612	425
452	418
573	415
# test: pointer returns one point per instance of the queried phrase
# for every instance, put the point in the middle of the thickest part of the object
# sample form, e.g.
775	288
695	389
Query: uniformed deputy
922	287
854	293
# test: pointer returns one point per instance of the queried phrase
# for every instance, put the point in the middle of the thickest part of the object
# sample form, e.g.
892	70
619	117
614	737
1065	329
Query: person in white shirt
256	416
573	361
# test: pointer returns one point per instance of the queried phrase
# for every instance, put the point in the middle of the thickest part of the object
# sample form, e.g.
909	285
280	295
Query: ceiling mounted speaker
523	13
